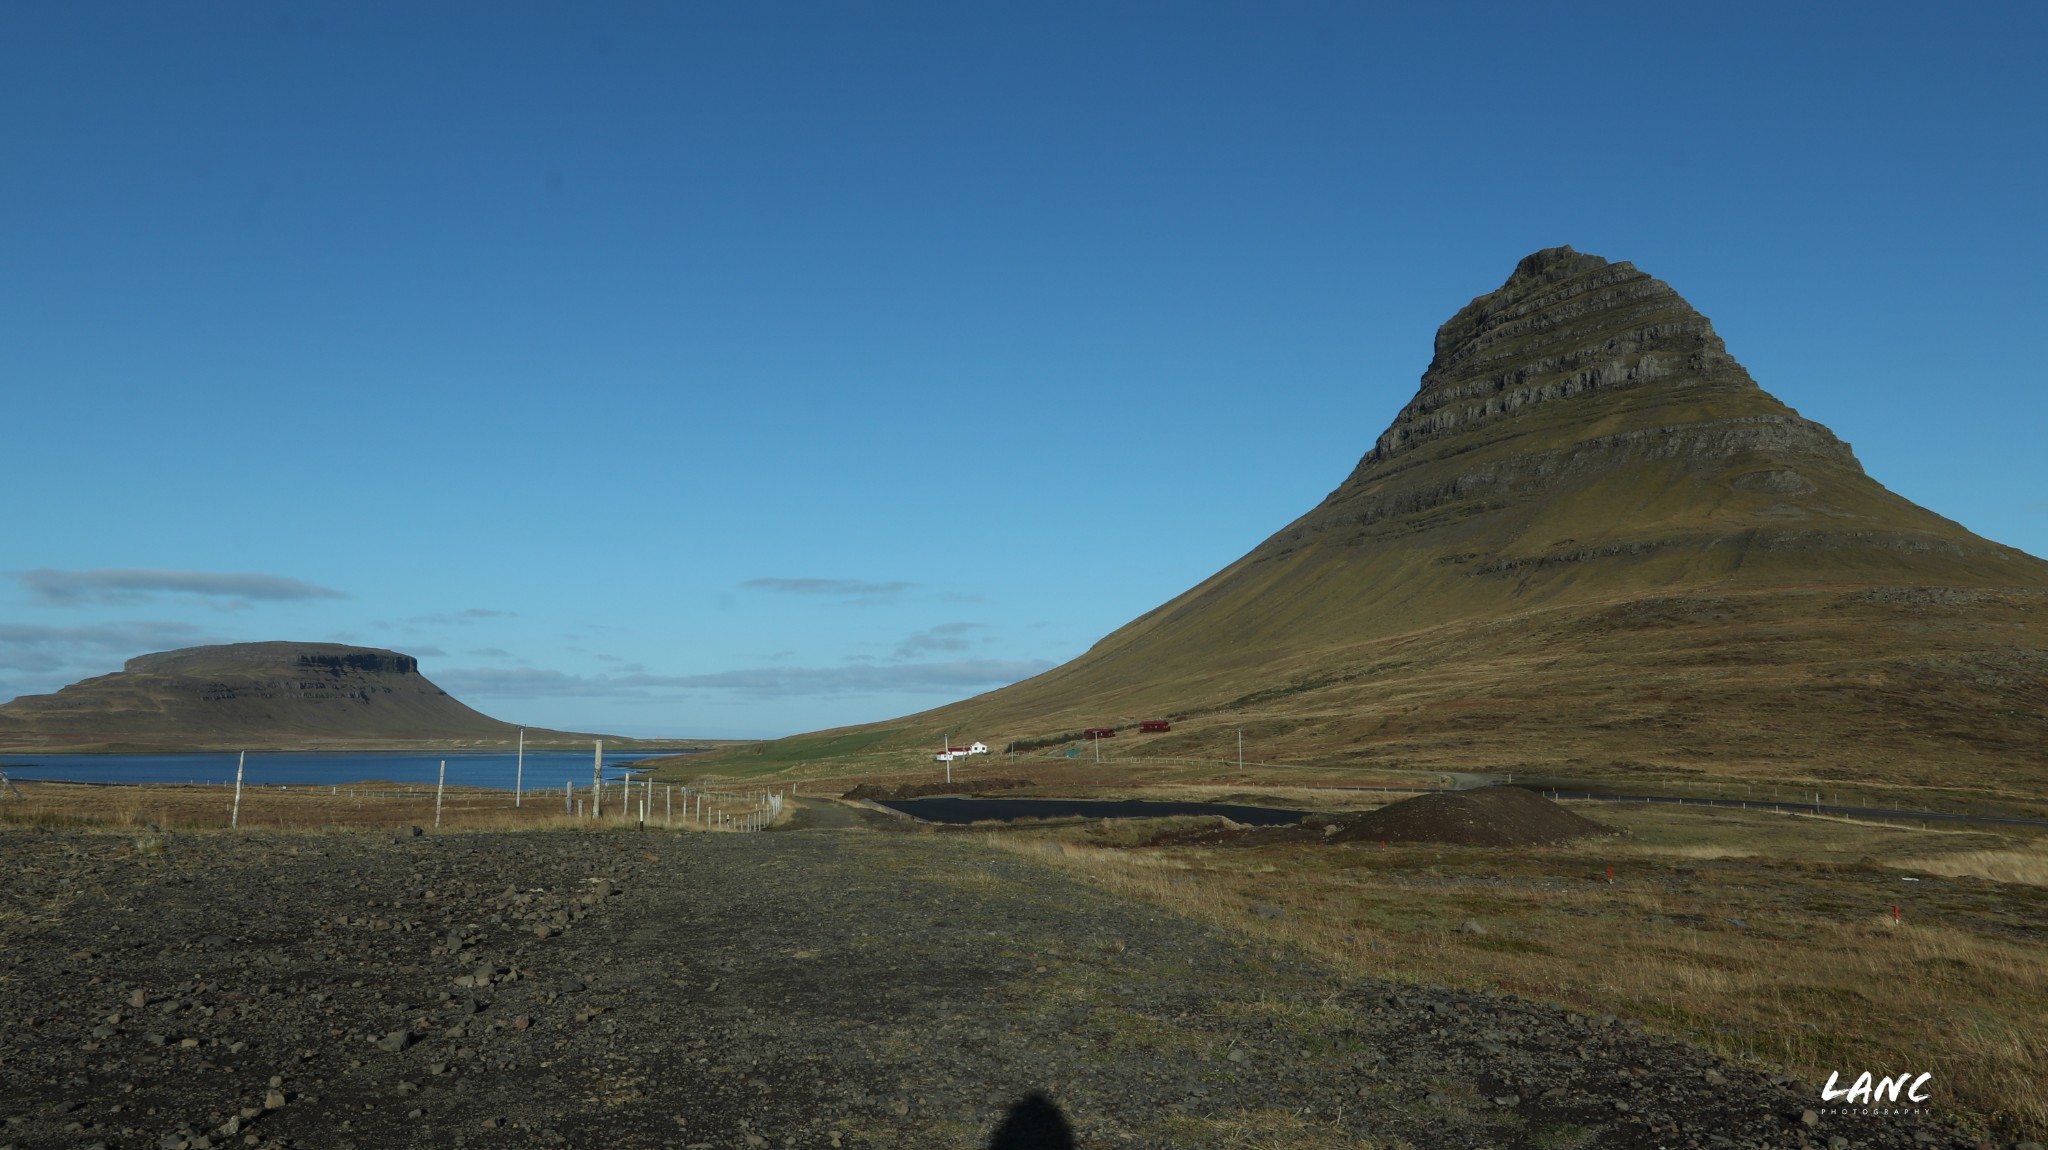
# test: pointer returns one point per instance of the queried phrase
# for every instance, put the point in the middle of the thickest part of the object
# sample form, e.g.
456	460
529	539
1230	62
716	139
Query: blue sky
742	369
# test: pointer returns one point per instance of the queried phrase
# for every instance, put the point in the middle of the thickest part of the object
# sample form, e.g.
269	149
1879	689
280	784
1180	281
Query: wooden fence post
235	816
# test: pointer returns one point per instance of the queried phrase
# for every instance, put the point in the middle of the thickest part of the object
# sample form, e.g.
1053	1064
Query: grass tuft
2025	864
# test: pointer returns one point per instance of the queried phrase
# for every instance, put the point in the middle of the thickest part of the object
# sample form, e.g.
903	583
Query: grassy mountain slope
1590	545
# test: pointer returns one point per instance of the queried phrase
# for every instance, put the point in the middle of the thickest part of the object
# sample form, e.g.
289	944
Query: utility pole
1240	748
597	782
519	770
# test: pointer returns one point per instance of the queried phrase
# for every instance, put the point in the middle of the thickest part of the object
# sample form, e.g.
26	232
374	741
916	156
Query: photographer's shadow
1033	1123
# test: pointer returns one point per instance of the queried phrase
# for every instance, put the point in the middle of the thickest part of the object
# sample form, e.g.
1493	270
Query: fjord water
544	769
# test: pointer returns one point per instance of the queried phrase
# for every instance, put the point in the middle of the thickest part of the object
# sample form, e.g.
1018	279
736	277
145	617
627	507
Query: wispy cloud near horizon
857	591
34	647
534	682
143	584
460	618
934	640
960	675
956	675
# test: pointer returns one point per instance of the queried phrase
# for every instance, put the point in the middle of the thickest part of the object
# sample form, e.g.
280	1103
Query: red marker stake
1895	912
1610	872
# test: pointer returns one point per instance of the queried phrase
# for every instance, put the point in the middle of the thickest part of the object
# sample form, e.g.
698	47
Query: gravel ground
822	987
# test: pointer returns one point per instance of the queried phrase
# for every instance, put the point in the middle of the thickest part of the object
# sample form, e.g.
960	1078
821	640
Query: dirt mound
879	792
1487	817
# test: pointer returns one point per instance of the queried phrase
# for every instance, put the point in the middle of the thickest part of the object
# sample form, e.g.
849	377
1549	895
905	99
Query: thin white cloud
145	584
955	677
33	647
531	682
854	591
943	638
460	618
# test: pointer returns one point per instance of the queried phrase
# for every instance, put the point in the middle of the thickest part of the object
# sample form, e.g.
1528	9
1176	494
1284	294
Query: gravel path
827	986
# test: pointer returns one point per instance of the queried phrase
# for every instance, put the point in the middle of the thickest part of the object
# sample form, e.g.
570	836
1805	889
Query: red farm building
1155	725
1099	733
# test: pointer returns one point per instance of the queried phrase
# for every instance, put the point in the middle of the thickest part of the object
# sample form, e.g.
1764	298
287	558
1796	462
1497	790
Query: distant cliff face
313	657
249	695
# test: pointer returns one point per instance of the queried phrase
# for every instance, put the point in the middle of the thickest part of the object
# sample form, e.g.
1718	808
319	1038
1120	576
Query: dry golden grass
1765	693
2027	864
1775	945
363	807
1124	771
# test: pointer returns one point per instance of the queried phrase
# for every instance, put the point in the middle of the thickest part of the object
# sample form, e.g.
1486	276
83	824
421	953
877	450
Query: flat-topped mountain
252	696
1589	544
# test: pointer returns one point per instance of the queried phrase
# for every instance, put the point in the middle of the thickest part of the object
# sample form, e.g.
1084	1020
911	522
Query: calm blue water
545	770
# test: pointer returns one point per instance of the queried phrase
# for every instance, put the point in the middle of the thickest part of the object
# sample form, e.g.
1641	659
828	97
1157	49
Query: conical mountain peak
1590	537
1552	264
1564	325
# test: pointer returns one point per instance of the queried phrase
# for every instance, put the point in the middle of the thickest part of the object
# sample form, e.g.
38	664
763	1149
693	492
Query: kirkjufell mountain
1590	545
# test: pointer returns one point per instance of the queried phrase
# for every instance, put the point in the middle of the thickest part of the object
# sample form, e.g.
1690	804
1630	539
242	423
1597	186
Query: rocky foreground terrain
818	987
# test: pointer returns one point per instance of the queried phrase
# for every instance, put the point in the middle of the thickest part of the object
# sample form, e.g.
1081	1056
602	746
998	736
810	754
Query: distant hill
256	696
1590	545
